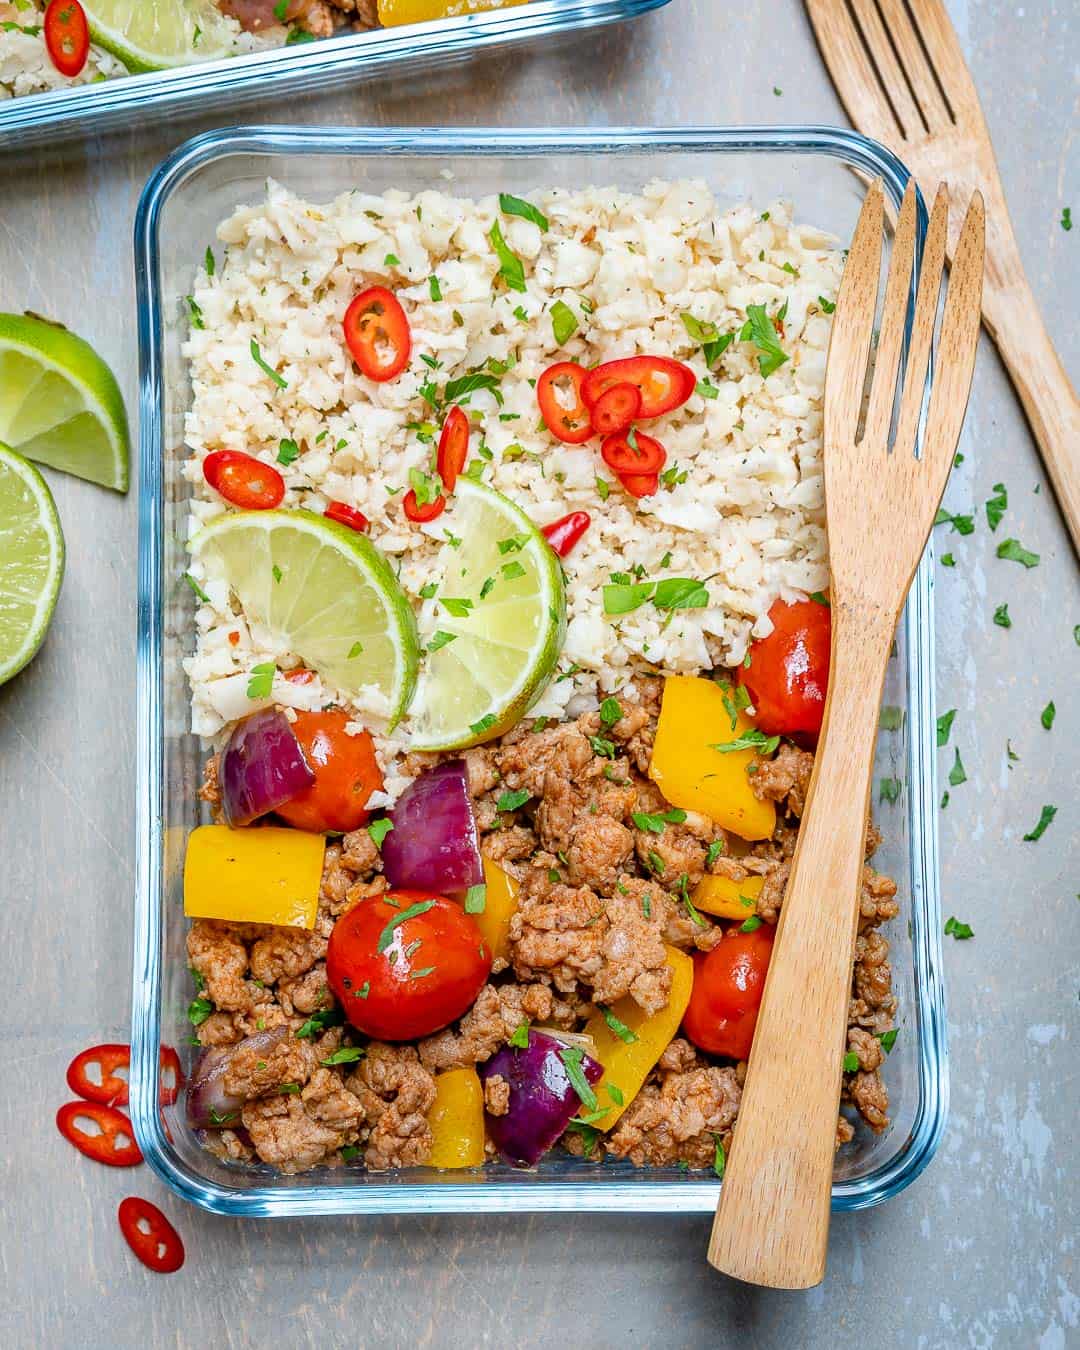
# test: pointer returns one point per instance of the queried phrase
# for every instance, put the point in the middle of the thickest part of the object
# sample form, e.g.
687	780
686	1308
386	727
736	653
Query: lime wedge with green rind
507	632
31	561
324	592
159	34
59	402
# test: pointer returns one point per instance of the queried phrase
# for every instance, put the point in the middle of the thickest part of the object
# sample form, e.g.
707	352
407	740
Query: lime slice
507	628
324	592
158	34
59	402
31	561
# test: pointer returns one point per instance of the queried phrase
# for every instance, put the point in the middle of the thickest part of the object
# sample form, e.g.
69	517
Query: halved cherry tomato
565	413
664	384
150	1235
405	964
453	447
377	334
647	456
244	480
67	36
728	984
346	774
347	515
109	1088
114	1144
563	534
788	673
422	514
640	484
616	409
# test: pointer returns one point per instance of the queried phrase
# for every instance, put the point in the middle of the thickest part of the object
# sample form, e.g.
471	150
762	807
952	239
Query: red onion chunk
262	767
209	1106
433	845
542	1097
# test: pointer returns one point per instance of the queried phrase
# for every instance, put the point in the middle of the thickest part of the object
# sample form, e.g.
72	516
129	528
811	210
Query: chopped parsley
426	486
620	1029
602	747
947	560
571	1056
827	306
513	544
719	1157
511	268
564	322
208	261
349	1153
476	899
199	1009
1013	551
257	357
610	712
434	288
195	312
751	924
387	934
357	649
707	389
485	724
288	450
888	1039
1066	218
419	974
760	330
961	524
261	680
851	1062
1046	717
276	573
1045	817
487	587
890	790
199	592
944	726
518	206
996	506
655	824
364	990
440	639
956	773
510	801
348	1054
713	344
379	829
954	928
457	606
319	1021
512	570
603	489
469	384
1001	616
520	1039
391	260
750	740
714	851
428	591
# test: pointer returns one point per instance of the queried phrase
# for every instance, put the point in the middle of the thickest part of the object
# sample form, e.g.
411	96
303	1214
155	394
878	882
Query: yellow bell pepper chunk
691	774
457	1120
500	906
627	1065
394	12
264	875
727	898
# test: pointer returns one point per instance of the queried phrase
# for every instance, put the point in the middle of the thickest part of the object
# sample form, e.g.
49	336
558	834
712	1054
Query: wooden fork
899	70
772	1224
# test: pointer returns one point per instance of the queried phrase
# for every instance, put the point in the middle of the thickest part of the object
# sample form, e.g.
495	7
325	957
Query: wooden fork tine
892	77
922	334
947	59
916	65
855	305
893	315
859	88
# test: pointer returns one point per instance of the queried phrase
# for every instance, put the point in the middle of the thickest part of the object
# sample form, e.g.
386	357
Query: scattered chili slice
103	1147
67	36
568	421
453	447
169	1069
563	534
664	384
422	514
640	484
642	456
300	676
616	409
150	1235
244	480
347	515
110	1089
377	334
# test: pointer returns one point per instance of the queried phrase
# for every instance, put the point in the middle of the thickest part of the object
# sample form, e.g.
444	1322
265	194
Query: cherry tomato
789	670
664	384
422	514
112	1143
453	447
244	480
108	1087
640	484
67	36
615	409
150	1235
565	414
405	964
347	515
563	534
377	334
346	774
728	984
646	457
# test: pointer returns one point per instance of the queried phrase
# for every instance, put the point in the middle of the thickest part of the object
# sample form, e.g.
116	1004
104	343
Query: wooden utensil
899	70
772	1224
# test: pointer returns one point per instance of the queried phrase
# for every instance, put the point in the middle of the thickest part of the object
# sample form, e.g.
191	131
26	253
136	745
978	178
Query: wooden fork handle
772	1225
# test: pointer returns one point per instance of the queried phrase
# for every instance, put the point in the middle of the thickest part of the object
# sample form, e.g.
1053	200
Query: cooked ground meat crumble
599	899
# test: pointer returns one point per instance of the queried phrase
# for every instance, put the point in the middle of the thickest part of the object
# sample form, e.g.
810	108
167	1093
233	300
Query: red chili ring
102	1147
158	1245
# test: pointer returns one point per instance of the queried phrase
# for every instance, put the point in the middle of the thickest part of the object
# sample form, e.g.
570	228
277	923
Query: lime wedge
324	592
158	34
504	609
59	402
31	561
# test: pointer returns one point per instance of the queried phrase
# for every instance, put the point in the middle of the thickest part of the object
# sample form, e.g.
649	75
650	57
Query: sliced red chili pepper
453	447
563	534
642	456
244	480
114	1145
347	515
150	1235
664	384
422	514
377	334
109	1088
616	409
67	36
169	1068
300	676
640	484
555	389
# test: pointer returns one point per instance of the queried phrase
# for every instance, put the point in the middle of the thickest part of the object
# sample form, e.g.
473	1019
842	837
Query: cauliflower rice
741	505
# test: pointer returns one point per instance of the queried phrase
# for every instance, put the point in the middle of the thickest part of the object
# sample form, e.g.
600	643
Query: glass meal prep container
823	171
305	67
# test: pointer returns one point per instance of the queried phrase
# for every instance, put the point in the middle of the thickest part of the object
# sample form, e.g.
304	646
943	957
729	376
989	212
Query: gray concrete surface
982	1250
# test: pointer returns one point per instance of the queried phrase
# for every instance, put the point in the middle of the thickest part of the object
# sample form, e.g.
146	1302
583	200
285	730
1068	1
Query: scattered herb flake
476	899
379	829
485	724
434	289
961	524
1013	551
257	357
1001	616
954	928
387	934
564	322
511	268
1046	717
518	206
510	801
851	1062
751	740
520	1039
944	726
1045	817
996	506
261	680
288	450
571	1056
348	1054
890	790
759	329
199	592
956	773
440	639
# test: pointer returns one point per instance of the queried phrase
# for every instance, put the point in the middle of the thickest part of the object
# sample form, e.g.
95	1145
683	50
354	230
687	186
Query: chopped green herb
199	1009
427	591
510	801
469	384
387	934
996	506
1001	616
195	313
961	524
476	899
1046	717
954	928
419	974
276	573
603	488
571	1056
208	261
440	639
620	1029
1045	817
485	724
257	357
851	1062
261	680
719	1157
520	1039
518	206
827	306
944	726
944	800
947	560
512	570
707	389
1066	217
199	592
615	1093
713	852
891	719
511	268
564	322
1013	551
680	593
890	790
348	1054
364	990
391	260
956	773
434	289
349	1153
288	450
751	740
513	544
604	748
379	829
759	329
487	587
751	924
610	712
459	607
888	1038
